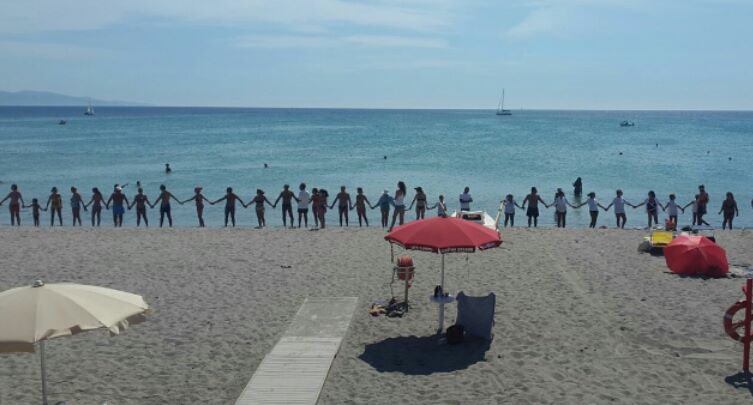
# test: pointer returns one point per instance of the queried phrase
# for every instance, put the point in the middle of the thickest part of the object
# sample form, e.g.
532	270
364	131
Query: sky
546	54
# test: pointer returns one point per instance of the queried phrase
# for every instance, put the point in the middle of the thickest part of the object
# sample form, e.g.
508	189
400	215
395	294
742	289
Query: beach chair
476	314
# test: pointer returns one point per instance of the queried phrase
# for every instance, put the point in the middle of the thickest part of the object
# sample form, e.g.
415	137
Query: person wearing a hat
199	198
420	200
259	200
384	203
119	201
593	208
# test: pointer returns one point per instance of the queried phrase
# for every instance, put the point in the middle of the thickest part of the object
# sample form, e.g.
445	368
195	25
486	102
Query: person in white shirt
510	204
303	205
560	204
399	203
619	209
465	200
672	208
593	208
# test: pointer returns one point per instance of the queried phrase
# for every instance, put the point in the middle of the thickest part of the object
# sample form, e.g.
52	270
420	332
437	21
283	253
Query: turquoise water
442	151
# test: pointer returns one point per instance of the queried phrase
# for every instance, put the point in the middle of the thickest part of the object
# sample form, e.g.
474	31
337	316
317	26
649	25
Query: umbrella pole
44	373
441	300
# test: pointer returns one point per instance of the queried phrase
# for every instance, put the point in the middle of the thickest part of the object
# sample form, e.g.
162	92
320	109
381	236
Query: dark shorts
118	210
701	210
164	209
532	212
729	215
287	207
303	210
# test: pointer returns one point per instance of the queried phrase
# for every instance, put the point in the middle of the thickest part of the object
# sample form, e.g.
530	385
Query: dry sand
582	318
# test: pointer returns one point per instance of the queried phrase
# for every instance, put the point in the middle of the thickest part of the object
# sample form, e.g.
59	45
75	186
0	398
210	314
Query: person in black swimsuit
140	200
420	200
230	199
164	208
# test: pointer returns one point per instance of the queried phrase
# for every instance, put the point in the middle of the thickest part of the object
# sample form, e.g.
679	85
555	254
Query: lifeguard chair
403	271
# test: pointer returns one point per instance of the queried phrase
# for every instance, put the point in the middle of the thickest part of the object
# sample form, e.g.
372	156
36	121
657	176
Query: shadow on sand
423	355
741	380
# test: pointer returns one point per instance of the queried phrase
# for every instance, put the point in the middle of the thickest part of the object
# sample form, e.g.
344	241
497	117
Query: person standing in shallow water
593	208
258	202
303	205
16	201
199	198
119	201
323	195
729	209
652	208
702	205
287	198
466	199
578	187
140	200
164	208
619	209
399	203
230	199
533	199
384	202
76	203
344	204
55	202
420	200
360	206
96	202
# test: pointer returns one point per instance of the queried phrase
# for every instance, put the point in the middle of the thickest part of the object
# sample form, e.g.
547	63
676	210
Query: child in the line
693	203
510	204
619	209
385	200
140	200
593	208
259	201
360	206
57	206
35	208
652	208
440	206
672	209
729	208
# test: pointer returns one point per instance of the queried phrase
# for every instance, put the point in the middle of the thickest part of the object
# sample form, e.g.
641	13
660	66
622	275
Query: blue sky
572	54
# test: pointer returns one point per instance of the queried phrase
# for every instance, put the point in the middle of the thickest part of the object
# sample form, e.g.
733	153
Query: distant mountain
46	98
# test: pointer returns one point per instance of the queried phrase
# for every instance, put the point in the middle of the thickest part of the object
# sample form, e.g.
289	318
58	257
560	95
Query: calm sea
440	150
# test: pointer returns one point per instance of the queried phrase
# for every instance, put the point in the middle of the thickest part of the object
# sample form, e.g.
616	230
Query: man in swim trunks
343	205
532	213
164	208
16	201
230	199
119	200
140	200
287	198
702	204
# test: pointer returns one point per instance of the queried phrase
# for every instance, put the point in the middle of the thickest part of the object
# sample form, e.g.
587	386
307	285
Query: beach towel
476	314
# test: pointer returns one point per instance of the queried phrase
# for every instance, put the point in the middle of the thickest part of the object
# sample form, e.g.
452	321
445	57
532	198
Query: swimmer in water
168	170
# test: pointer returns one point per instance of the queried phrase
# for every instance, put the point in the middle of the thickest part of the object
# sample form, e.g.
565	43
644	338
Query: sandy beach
581	318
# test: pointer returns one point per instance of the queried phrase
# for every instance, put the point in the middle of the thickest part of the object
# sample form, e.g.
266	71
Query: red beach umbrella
696	255
444	235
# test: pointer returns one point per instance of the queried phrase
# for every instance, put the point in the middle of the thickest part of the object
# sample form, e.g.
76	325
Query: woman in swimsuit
230	199
533	201
652	208
399	203
315	203
259	201
96	200
729	208
16	201
360	206
140	200
323	194
57	206
76	203
199	198
420	200
164	208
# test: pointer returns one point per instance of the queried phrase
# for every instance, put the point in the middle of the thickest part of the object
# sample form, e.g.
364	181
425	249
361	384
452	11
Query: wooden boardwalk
295	370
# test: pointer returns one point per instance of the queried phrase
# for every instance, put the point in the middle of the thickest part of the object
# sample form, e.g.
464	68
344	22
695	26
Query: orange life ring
730	327
405	268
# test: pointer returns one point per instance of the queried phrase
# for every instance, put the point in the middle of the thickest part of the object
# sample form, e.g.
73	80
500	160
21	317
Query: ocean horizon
441	150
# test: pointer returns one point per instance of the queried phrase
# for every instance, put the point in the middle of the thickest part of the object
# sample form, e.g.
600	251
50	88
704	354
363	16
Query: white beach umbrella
33	314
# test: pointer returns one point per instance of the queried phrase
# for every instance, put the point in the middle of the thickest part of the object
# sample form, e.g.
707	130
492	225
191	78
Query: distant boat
627	124
62	122
501	108
89	110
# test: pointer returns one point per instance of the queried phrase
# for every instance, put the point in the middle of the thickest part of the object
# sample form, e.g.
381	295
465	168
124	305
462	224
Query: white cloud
60	15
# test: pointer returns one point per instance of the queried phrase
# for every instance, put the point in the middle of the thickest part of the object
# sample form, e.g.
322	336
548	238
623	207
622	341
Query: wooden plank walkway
295	370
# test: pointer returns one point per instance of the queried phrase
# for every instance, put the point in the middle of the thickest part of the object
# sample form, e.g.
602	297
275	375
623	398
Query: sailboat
501	108
89	110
